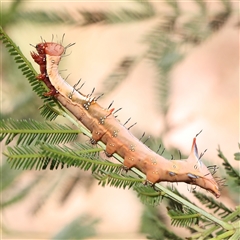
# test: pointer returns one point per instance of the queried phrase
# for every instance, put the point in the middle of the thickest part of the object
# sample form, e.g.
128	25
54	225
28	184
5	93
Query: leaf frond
177	205
148	195
82	227
25	157
21	194
164	52
48	111
27	69
23	64
153	225
181	215
46	17
79	157
121	16
31	131
116	180
211	203
218	20
45	195
230	170
118	75
183	220
7	180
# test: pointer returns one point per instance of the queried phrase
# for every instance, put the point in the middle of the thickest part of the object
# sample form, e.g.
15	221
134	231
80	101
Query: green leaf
120	16
148	195
21	194
231	171
154	225
80	228
30	131
116	180
7	176
237	156
211	203
183	220
81	156
25	157
27	69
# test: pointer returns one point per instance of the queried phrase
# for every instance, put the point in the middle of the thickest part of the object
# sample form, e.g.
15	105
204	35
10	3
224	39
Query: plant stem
195	208
224	235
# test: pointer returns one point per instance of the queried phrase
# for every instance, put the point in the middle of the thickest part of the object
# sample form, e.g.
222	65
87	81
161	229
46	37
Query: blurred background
172	66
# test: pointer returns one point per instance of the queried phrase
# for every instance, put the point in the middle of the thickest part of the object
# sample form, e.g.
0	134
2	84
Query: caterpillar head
199	174
50	48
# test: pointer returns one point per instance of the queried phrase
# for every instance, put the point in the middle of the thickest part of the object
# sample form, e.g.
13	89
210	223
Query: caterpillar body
118	139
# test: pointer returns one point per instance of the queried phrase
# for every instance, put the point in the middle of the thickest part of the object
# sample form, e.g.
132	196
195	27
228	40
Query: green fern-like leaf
180	215
48	192
118	75
7	179
78	157
122	16
202	5
46	17
29	131
237	154
165	53
113	179
213	204
221	17
148	195
153	224
48	111
82	227
145	11
231	171
183	220
45	155
28	71
26	157
23	64
21	194
177	205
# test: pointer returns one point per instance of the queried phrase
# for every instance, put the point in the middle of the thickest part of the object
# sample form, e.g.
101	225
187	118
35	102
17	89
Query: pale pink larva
106	128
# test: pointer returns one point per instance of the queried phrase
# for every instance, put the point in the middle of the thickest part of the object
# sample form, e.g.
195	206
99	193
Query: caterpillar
104	127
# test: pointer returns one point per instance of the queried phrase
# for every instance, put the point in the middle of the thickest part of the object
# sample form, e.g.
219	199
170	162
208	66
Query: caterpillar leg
148	183
124	168
52	92
108	154
129	162
92	141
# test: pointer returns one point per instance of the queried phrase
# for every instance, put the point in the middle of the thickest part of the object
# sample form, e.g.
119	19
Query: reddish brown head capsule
50	48
54	49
